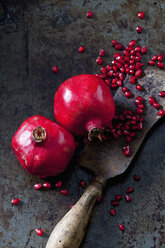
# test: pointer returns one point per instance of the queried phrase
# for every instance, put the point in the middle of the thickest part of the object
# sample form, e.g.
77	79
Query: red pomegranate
84	104
43	147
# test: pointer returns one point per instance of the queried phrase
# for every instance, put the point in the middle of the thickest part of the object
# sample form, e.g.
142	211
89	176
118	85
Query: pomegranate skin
82	103
49	157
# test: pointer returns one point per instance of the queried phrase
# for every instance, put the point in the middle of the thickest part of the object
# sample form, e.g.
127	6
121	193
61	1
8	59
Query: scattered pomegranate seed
100	198
114	203
126	151
15	201
128	94
83	184
141	15
151	100
136	178
81	49
160	57
160	65
90	14
161	112
154	58
118	197
102	53
119	47
39	232
127	198
124	89
130	190
121	227
55	69
114	42
162	94
37	186
138	73
58	184
112	211
156	105
64	192
144	50
139	87
152	63
47	185
139	29
99	61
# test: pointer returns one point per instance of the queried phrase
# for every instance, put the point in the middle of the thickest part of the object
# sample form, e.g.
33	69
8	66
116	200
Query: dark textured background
35	35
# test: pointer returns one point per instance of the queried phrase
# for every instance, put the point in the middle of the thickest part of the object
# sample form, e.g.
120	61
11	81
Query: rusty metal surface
106	158
33	36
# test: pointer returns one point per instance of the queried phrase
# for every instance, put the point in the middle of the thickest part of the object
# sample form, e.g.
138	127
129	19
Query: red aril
102	53
160	57
141	15
83	184
108	67
139	29
121	227
161	112
119	47
100	198
99	61
84	104
39	232
126	151
118	197
104	70
138	49
139	87
47	185
132	43
107	81
15	201
152	63
130	190
114	42
112	211
81	49
128	94
64	192
37	186
110	73
124	89
154	58
58	184
151	100
43	147
162	93
132	80
136	178
138	73
156	105
127	198
144	50
55	69
160	65
114	203
90	14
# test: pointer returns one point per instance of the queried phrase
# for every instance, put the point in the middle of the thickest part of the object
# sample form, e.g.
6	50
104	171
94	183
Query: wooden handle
69	232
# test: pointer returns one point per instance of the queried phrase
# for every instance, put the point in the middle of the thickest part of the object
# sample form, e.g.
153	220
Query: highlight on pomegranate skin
43	147
83	104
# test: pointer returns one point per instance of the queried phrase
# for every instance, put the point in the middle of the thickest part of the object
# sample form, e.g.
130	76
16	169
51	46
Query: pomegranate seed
119	47
114	81
136	178
90	14
58	184
140	98
132	52
132	67
160	57
108	67
128	94
131	72
144	50
160	65
125	132
139	87
37	186
39	232
141	15
110	73
137	102
162	94
118	197
161	112
121	76
15	201
102	53
99	61
138	73
64	192
55	69
131	62
114	68
140	126
81	49
126	53
100	198
129	48
133	134
126	150
132	43
83	184
121	227
114	42
112	211
117	54
104	70
139	111
128	138
124	89
154	58
107	81
139	29
141	106
119	83
127	198
151	100
132	80
152	63
47	185
156	105
98	75
130	190
114	203
138	49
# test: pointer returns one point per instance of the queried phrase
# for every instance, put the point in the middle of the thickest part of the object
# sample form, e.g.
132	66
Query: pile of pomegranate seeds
158	59
15	201
39	232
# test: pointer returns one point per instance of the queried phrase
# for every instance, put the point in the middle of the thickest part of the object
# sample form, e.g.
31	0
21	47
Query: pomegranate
43	147
84	104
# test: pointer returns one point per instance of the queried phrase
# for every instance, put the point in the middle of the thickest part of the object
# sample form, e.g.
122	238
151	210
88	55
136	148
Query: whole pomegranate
43	147
84	104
